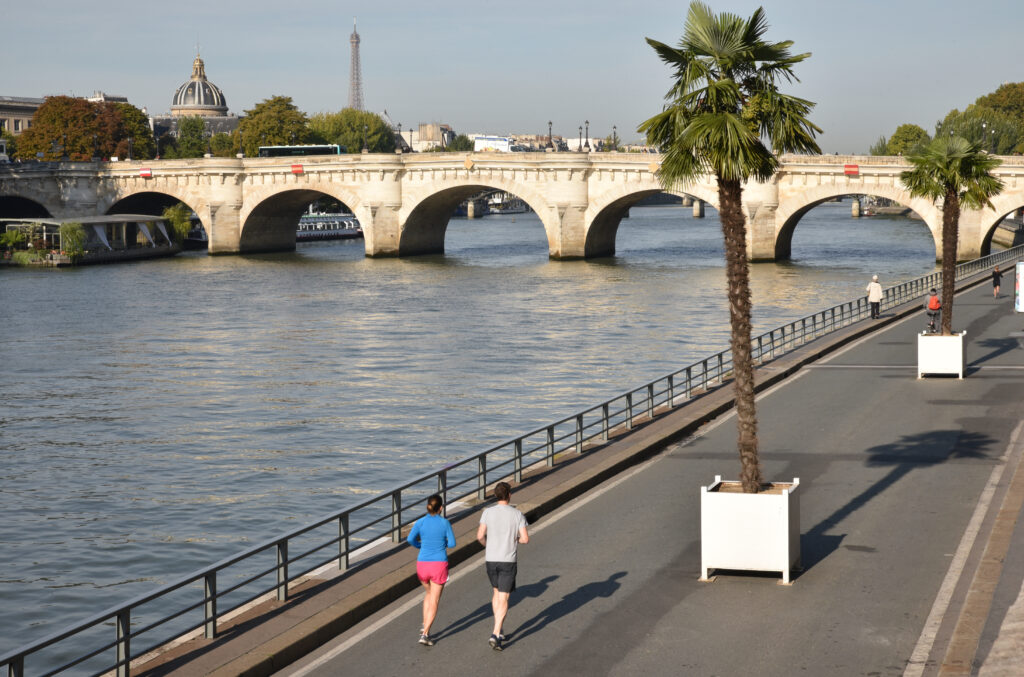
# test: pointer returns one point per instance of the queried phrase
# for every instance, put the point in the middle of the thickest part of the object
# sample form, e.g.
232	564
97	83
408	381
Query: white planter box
750	532
938	354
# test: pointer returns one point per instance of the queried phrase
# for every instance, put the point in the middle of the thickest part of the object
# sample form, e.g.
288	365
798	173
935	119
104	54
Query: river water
159	416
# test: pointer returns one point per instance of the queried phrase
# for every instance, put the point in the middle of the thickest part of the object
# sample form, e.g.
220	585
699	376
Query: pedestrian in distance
502	529
432	535
874	296
933	306
997	277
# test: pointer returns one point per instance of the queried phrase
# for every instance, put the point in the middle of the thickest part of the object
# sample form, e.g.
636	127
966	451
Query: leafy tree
723	105
905	139
72	240
460	143
65	125
13	239
958	172
273	122
993	131
12	142
179	217
880	147
1008	99
223	145
62	125
346	128
191	141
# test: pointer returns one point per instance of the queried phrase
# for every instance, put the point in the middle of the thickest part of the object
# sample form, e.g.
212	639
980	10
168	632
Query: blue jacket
432	534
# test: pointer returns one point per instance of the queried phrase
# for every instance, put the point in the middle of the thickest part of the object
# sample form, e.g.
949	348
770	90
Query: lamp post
366	148
580	146
984	133
550	145
615	138
587	123
130	140
400	139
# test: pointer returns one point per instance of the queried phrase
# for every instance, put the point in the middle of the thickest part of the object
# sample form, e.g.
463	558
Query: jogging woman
432	534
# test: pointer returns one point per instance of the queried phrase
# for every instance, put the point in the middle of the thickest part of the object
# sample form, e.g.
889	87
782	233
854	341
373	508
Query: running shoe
495	642
426	641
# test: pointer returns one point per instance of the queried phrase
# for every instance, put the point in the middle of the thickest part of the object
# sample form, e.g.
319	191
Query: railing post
123	622
396	516
629	411
16	668
481	477
604	422
517	465
549	454
343	542
579	433
282	571
650	401
721	368
689	381
210	606
442	489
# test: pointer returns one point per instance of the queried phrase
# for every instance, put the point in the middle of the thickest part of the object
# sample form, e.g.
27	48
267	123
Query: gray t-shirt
503	525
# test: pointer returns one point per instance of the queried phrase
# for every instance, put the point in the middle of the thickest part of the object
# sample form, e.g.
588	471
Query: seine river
159	416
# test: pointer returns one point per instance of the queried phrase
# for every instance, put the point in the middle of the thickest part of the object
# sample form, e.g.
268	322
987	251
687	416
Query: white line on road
919	658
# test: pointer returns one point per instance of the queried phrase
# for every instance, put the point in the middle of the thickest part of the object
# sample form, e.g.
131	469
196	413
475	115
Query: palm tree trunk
734	230
950	238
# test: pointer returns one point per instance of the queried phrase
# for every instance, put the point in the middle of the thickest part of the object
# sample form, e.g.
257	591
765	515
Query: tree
12	142
79	129
179	218
993	131
191	141
905	139
880	147
223	145
1008	99
62	125
724	103
72	240
346	128
460	143
958	172
273	122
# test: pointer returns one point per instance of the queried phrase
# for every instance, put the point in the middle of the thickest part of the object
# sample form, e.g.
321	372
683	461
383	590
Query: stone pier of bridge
404	201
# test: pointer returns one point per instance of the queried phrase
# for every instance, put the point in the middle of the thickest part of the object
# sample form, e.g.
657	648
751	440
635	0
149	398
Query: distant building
103	97
197	97
16	112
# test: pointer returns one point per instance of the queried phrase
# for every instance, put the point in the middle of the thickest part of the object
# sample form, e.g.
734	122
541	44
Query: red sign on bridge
146	173
851	170
297	169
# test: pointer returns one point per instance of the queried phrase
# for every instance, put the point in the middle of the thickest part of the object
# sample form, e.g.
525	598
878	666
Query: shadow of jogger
483	612
569	603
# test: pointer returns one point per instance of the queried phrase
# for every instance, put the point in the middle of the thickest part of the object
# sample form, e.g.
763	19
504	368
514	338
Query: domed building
199	96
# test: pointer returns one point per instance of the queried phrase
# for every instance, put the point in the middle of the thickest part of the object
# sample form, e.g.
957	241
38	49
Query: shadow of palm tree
998	346
569	603
483	612
908	453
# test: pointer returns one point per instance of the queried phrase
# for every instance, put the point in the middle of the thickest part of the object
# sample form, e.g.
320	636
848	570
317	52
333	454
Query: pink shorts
432	571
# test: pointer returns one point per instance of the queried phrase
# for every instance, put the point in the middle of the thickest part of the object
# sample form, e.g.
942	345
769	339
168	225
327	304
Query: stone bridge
404	201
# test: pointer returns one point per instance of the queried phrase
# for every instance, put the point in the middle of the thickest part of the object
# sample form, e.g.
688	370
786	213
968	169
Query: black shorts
502	575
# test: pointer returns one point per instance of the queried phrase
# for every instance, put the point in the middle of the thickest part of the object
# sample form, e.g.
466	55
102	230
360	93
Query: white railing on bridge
271	567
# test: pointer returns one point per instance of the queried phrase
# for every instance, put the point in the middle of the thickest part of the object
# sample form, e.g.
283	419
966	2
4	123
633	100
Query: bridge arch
1004	204
270	217
424	217
604	216
19	206
152	199
789	214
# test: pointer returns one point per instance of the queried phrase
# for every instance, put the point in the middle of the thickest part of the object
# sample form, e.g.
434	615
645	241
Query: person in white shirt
502	528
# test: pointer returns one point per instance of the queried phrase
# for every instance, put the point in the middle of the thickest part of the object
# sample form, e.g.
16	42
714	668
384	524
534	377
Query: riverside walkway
912	552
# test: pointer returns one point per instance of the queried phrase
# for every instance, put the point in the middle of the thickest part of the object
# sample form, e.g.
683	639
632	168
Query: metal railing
197	602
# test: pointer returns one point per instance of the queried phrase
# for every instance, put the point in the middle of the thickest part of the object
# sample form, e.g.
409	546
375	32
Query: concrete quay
912	552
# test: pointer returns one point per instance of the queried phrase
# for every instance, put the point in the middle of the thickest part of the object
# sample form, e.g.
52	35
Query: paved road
897	476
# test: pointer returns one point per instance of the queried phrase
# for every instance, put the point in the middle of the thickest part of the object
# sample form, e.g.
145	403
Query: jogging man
501	529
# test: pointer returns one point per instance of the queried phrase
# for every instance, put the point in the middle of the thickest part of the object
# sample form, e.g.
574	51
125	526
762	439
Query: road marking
861	366
469	567
919	657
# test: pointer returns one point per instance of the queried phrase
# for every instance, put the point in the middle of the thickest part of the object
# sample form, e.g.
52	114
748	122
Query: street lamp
400	139
580	146
366	148
615	138
130	149
550	145
587	123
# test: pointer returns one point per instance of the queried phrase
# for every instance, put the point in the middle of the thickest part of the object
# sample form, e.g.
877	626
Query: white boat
323	226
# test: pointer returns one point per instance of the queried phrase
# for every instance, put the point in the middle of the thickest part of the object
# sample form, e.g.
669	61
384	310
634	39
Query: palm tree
958	172
723	105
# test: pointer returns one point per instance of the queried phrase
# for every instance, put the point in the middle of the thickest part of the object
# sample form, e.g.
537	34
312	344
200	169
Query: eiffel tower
355	76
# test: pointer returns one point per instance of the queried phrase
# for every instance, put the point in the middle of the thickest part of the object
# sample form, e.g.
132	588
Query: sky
510	67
